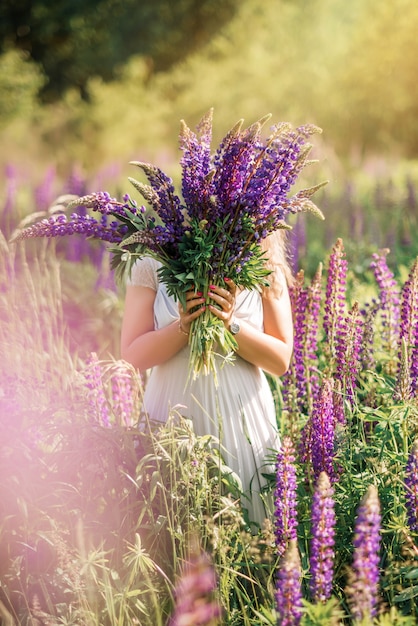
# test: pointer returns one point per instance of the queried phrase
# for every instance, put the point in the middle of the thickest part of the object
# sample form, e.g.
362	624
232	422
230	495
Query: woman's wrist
181	329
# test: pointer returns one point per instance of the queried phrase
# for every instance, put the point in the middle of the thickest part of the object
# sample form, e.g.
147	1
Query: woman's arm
141	344
272	349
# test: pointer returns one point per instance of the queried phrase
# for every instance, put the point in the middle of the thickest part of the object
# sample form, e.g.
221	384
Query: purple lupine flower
408	328
285	520
338	402
233	162
322	542
414	361
322	432
288	587
194	594
97	396
196	163
335	293
368	313
77	248
411	487
300	383
347	351
363	587
122	396
389	298
403	391
268	184
293	380
300	328
311	340
60	226
161	195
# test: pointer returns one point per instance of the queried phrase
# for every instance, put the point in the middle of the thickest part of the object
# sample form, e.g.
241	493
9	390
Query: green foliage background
348	67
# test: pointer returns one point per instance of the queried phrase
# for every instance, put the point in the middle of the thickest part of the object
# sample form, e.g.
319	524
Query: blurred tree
73	40
20	81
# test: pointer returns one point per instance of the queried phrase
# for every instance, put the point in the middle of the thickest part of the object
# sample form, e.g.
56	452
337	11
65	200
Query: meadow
107	521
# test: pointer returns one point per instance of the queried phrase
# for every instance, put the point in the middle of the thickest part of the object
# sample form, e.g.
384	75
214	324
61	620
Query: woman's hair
275	247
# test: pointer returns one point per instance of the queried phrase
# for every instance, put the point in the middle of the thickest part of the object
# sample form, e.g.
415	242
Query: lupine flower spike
334	310
317	447
311	342
409	329
411	487
348	351
363	587
322	542
195	604
288	587
403	391
293	378
301	382
367	356
389	299
285	521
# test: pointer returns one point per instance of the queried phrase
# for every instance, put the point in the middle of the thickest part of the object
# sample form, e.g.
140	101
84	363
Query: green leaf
407	594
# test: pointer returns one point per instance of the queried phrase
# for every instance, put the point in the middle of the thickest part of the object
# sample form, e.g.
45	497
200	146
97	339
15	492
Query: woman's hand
194	300
223	305
224	298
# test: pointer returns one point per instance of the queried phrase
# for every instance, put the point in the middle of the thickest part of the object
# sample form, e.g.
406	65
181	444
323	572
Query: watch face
234	328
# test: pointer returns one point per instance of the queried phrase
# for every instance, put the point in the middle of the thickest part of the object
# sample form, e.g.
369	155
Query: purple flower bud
60	226
409	330
334	311
318	435
322	542
285	520
288	587
293	379
194	594
389	299
347	351
363	587
411	487
195	162
300	383
367	344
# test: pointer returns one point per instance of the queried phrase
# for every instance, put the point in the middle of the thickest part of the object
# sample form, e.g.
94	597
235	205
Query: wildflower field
106	521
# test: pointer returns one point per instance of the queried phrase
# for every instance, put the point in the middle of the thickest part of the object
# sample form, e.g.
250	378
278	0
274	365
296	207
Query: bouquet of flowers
230	201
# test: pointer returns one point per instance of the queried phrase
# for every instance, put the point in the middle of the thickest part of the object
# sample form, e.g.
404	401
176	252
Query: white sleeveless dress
240	412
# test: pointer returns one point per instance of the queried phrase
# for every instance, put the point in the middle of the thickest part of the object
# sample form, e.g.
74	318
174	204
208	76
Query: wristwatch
234	327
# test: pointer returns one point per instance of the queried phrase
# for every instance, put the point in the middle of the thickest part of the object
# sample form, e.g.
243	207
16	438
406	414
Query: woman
240	411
